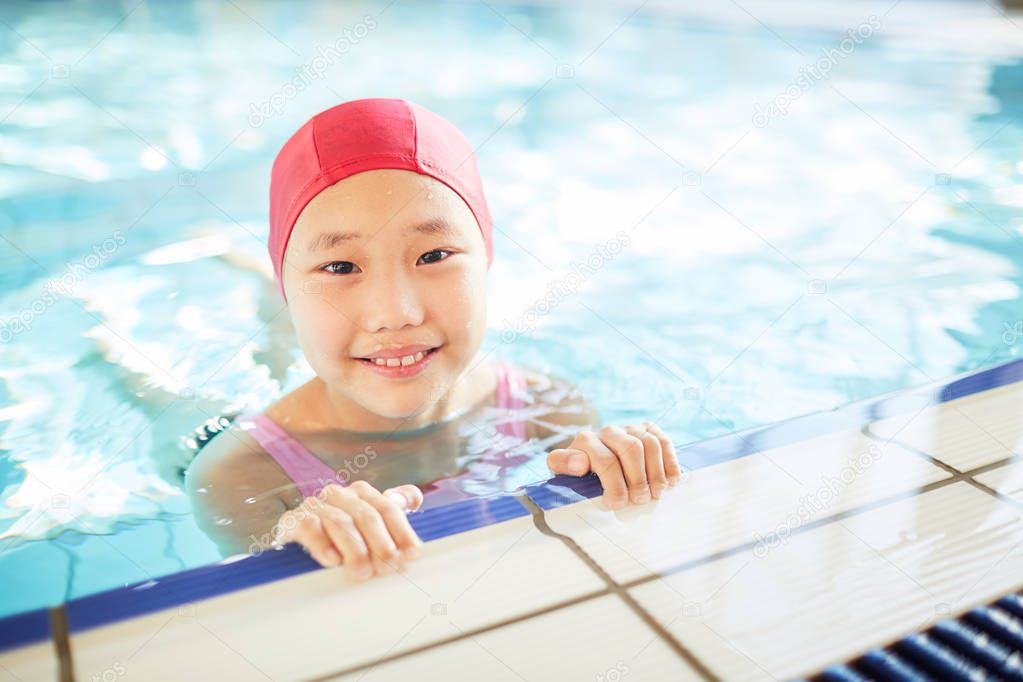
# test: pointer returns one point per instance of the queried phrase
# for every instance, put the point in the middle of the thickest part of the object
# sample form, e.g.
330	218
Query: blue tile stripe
24	628
563	490
228	576
209	581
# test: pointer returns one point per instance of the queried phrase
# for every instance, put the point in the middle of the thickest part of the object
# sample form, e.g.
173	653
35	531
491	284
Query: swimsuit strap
307	470
510	386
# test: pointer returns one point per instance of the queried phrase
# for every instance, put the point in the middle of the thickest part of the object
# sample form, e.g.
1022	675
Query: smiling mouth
406	361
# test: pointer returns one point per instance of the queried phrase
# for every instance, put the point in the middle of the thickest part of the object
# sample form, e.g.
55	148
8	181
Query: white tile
322	621
837	590
964	433
1008	480
742	501
33	662
598	640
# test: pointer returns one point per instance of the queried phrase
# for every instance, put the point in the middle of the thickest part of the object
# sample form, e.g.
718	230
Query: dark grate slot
985	643
977	646
938	660
999	624
1013	604
842	673
886	666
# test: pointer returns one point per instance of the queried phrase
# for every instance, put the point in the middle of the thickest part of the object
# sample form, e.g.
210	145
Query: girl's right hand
358	525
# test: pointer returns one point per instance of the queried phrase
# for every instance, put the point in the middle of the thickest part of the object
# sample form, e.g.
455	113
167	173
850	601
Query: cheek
321	331
462	305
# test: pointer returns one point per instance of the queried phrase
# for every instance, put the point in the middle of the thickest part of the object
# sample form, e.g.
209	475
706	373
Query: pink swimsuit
311	474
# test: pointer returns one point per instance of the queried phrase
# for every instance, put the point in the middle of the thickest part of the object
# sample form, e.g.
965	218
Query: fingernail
642	497
398	497
576	460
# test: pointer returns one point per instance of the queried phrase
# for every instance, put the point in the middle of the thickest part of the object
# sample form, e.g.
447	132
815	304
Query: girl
380	239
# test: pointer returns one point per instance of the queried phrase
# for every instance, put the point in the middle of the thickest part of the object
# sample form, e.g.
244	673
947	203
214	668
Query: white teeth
394	362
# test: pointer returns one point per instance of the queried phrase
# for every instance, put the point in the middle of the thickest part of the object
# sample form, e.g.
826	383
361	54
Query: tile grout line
621	590
966	476
540	521
984	468
463	635
824	521
61	639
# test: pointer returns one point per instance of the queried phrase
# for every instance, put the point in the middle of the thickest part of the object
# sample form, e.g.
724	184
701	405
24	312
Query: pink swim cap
362	135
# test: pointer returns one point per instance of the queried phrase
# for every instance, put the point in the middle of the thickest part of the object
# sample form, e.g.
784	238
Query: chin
400	411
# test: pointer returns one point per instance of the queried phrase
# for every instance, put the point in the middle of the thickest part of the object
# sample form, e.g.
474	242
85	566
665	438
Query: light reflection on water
866	241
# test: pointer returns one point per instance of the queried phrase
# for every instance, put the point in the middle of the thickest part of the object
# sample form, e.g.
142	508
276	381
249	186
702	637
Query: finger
671	466
568	461
354	500
301	526
653	459
411	497
629	450
391	505
340	527
606	466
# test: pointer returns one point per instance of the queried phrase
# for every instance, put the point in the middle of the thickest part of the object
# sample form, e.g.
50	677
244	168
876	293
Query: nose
390	301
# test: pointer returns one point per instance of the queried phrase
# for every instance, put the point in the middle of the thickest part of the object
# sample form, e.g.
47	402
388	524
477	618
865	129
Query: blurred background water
777	224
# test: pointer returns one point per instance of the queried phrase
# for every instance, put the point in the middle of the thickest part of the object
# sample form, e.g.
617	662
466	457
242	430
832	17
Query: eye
329	267
436	260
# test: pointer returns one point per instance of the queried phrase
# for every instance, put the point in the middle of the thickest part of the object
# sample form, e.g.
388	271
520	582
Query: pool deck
786	549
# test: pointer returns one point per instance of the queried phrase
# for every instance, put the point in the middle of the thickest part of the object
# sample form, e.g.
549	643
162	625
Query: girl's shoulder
232	457
234	460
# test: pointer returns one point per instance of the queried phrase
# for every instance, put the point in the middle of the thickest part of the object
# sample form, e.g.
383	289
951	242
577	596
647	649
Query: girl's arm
236	492
241	501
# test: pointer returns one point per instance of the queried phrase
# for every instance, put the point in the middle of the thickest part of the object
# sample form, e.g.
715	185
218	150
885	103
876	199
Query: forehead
380	200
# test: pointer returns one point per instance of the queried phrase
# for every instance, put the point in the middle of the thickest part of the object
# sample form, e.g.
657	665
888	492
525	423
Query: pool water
691	223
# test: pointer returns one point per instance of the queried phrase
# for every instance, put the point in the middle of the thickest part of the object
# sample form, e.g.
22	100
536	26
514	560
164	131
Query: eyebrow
328	240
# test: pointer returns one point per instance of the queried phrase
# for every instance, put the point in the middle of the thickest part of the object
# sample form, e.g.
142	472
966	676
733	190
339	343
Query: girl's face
381	260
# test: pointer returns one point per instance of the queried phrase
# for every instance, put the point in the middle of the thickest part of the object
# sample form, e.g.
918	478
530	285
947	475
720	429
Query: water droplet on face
429	195
223	521
250	500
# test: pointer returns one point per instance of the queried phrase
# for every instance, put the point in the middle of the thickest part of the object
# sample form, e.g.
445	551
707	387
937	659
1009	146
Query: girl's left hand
633	463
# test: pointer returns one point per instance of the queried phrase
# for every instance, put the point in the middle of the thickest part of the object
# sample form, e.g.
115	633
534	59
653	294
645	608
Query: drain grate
983	644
